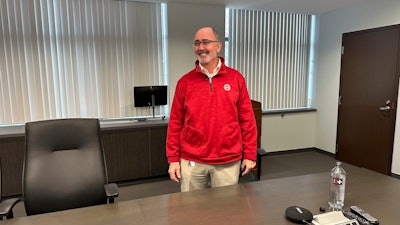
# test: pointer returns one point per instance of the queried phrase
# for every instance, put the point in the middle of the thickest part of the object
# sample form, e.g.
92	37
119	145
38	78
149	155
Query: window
61	59
272	51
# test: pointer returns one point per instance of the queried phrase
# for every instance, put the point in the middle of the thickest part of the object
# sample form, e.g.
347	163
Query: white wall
282	132
183	21
366	15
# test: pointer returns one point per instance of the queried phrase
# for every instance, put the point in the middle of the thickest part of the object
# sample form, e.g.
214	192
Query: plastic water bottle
337	187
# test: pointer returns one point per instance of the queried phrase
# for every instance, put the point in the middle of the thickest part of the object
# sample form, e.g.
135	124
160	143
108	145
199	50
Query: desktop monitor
146	96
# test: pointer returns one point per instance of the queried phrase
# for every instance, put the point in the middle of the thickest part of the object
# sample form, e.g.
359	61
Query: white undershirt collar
215	72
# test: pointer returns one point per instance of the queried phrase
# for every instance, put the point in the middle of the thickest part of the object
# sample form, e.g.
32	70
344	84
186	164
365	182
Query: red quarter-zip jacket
212	119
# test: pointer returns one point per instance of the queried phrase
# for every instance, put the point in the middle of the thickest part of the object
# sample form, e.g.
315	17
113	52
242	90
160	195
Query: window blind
61	59
271	50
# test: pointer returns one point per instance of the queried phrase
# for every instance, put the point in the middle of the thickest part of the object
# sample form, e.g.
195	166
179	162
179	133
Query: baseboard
395	176
325	152
294	151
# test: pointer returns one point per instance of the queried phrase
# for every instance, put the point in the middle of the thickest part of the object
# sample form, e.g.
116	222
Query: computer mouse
299	214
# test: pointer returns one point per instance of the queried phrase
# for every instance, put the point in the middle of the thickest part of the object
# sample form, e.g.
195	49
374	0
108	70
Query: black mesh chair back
64	165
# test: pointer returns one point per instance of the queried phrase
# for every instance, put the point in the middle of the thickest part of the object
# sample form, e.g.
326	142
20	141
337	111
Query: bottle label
337	181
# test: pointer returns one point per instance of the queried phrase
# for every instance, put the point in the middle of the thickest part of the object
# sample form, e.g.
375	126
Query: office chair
255	174
6	205
64	166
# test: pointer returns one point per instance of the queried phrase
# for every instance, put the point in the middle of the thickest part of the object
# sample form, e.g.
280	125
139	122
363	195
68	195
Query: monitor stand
153	103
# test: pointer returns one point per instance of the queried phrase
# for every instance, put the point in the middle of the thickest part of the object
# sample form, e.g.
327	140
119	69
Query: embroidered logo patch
227	87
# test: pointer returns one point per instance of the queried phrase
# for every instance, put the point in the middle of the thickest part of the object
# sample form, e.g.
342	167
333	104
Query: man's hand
175	171
247	166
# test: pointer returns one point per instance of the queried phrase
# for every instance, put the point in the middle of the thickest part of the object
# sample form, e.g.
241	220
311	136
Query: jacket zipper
210	81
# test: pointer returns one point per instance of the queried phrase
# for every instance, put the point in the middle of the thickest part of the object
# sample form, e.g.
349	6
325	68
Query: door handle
386	108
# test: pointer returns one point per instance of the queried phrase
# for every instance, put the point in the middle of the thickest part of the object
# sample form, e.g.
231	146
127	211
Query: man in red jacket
212	132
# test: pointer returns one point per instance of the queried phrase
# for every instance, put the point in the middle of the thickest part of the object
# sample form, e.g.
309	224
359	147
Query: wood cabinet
12	156
133	151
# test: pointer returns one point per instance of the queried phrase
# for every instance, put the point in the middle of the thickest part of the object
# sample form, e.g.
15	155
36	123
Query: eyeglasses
204	42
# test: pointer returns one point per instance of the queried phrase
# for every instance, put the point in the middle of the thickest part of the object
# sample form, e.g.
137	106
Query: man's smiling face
206	46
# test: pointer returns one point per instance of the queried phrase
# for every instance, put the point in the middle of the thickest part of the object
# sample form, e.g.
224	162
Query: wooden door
368	98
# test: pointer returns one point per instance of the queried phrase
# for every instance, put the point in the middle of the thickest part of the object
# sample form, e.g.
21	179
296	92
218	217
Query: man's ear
219	46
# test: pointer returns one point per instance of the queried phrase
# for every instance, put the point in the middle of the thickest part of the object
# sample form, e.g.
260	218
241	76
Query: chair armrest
111	191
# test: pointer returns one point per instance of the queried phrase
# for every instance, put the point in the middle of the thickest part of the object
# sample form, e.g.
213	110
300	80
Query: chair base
6	207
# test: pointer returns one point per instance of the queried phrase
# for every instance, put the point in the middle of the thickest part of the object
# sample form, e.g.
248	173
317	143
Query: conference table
260	202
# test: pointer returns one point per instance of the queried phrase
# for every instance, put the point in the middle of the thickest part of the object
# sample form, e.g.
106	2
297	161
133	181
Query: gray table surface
262	202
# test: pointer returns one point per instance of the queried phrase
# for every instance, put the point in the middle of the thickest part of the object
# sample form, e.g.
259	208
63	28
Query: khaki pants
198	175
